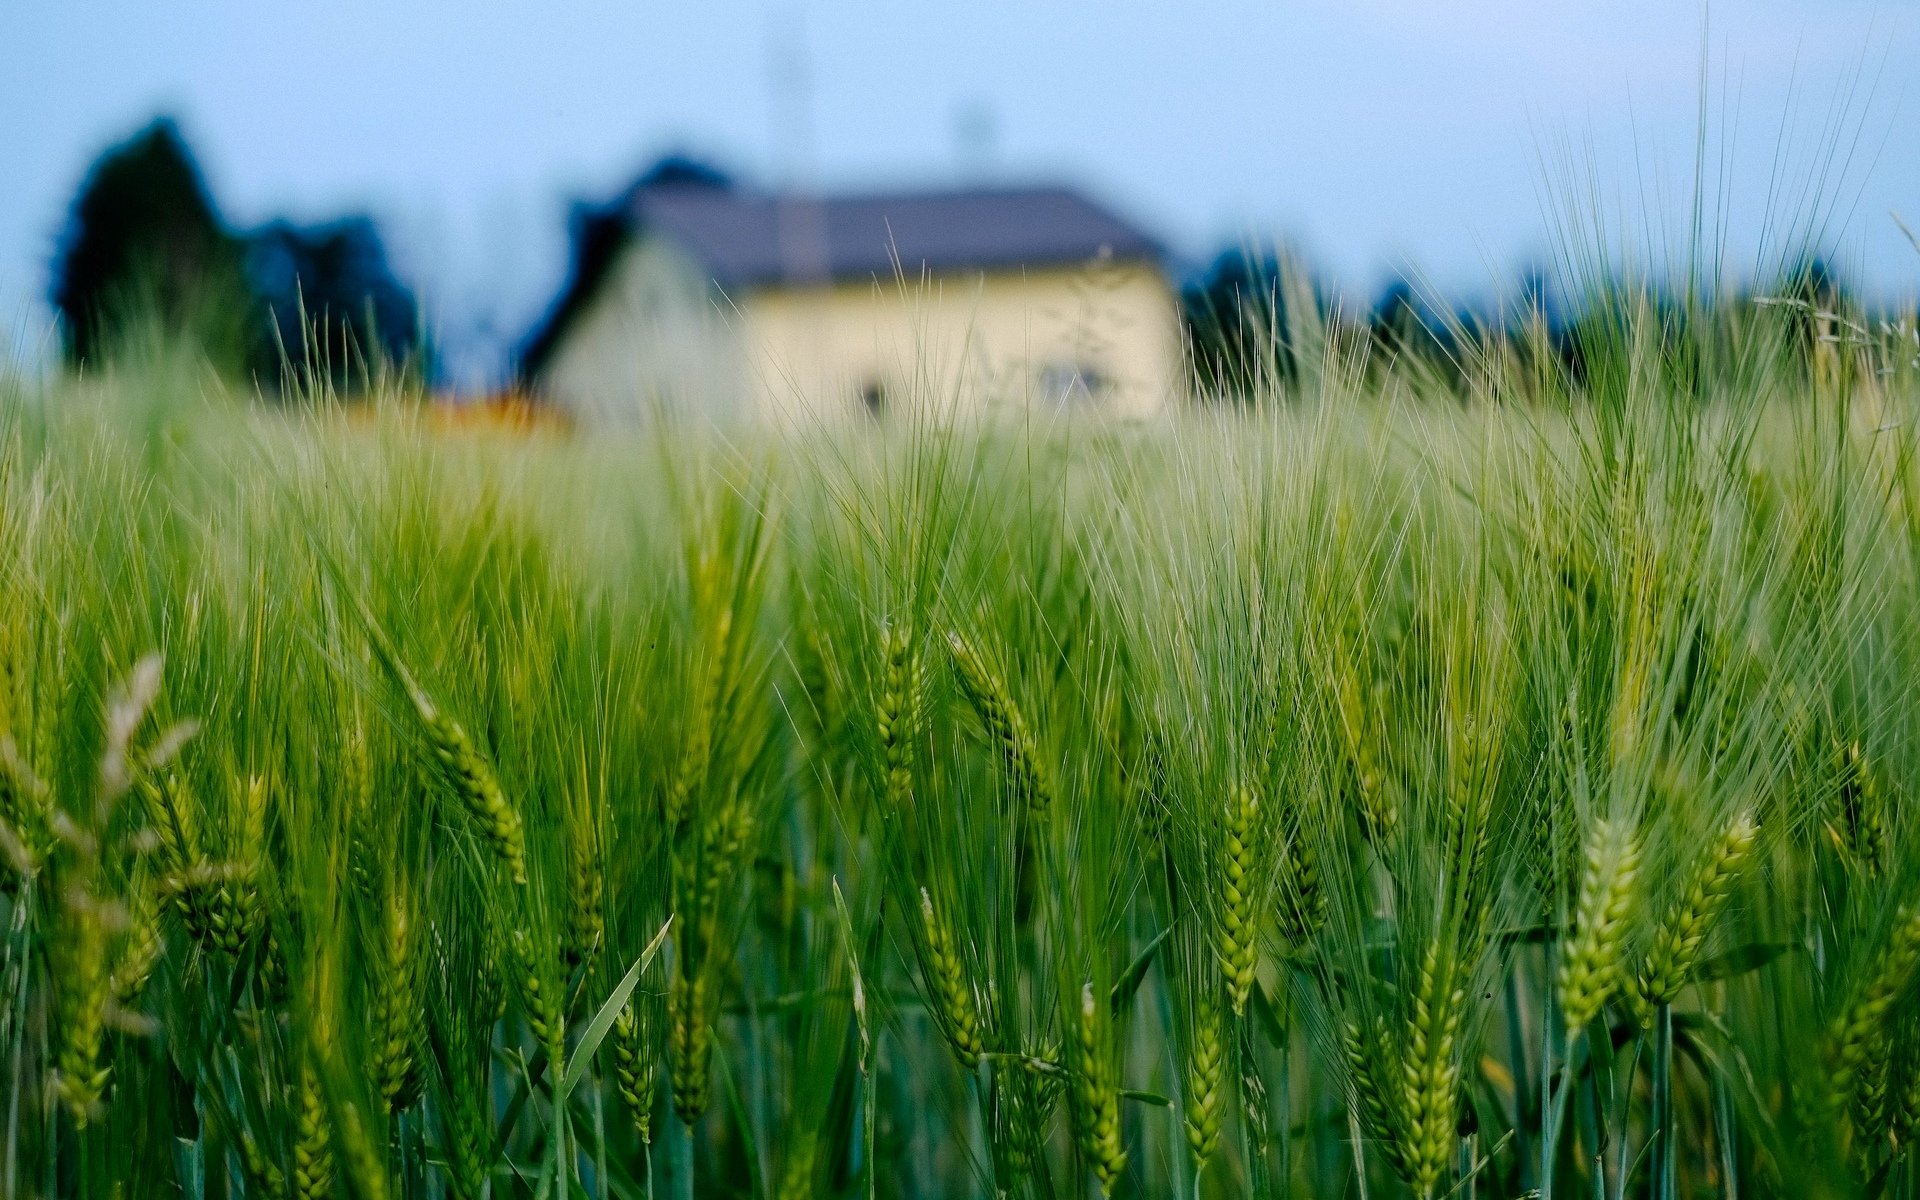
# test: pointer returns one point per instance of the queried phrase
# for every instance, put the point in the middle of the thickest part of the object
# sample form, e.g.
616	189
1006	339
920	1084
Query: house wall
655	337
999	339
1099	338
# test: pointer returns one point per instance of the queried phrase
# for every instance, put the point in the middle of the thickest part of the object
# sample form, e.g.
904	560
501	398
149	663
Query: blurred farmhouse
691	292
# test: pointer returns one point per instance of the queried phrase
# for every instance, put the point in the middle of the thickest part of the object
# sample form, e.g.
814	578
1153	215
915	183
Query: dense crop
1369	794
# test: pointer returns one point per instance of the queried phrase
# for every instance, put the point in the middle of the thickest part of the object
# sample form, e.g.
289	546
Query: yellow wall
1006	338
653	338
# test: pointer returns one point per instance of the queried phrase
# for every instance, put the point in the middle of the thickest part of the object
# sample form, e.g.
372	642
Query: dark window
1071	382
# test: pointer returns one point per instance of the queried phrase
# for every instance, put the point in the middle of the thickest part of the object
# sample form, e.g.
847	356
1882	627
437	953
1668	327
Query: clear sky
1380	136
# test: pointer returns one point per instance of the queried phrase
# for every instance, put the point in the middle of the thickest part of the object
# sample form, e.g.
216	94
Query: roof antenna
799	218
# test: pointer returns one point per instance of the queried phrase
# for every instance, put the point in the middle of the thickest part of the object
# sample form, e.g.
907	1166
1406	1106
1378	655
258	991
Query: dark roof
748	238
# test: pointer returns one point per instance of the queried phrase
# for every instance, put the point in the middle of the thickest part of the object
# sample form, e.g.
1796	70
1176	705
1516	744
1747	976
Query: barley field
1472	779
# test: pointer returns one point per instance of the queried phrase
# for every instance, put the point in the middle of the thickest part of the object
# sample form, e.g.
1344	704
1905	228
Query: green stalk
866	1128
1523	1106
1725	1133
1286	1103
680	1156
600	1140
1662	1155
1590	1130
1553	1103
1358	1142
22	903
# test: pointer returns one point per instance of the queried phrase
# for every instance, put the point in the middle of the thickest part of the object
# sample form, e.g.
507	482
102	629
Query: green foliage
1371	793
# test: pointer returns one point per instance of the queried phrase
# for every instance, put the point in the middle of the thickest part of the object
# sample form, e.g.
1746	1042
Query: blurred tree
145	254
144	250
1417	339
333	309
1237	325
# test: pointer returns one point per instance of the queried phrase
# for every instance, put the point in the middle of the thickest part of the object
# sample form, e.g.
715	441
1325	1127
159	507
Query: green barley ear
1005	724
1205	1082
1368	1058
1238	931
243	909
897	711
26	809
541	999
1303	897
260	1171
1851	1038
797	1175
312	1141
636	1064
82	989
171	816
1590	961
472	1135
1379	816
953	1001
696	751
473	783
140	948
689	1044
396	1015
1904	1125
366	1163
1022	1101
1870	1109
1096	1102
356	768
1863	829
727	839
1682	934
1430	1073
586	890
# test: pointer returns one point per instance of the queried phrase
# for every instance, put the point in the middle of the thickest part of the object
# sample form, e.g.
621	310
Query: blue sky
1381	136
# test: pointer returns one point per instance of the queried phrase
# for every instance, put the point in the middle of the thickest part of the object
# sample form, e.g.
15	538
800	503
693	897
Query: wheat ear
1238	927
1366	1050
541	999
473	782
1006	725
897	711
1206	1080
1096	1107
1851	1037
1678	940
1430	1072
586	892
312	1141
82	989
396	1005
947	983
1590	962
635	1067
689	1045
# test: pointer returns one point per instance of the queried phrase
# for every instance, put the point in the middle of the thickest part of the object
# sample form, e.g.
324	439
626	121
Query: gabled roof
748	239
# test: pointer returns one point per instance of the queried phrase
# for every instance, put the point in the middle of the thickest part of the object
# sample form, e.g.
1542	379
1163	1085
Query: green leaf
1739	961
1153	1098
596	1031
859	984
1121	994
